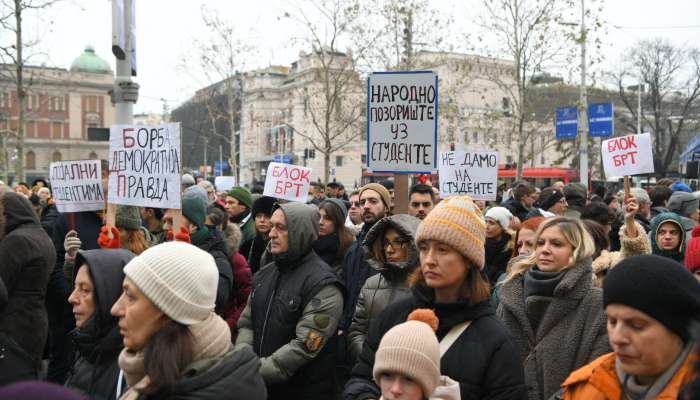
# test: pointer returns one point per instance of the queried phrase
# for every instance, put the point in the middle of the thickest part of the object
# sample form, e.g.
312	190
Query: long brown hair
133	240
475	288
345	235
166	355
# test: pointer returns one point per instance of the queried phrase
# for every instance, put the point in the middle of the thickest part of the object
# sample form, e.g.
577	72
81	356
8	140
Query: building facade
61	105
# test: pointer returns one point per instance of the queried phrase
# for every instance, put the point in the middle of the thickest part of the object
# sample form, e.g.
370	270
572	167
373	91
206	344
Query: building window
32	102
92	156
56	128
363	159
338	161
509	159
4	100
30	129
92	103
475	136
56	103
30	160
57	156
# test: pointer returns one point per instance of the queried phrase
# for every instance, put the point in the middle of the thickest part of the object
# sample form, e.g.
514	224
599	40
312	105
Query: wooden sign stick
111	218
627	187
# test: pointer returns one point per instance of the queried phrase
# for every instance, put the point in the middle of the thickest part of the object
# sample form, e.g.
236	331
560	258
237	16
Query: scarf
634	391
212	338
540	283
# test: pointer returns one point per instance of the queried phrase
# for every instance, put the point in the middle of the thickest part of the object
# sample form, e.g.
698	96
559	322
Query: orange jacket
598	380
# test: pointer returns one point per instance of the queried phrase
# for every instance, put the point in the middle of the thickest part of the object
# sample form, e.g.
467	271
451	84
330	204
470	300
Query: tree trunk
232	127
326	164
21	97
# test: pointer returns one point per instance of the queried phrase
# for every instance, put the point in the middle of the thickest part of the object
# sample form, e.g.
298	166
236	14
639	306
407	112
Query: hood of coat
406	225
106	267
237	371
15	211
302	224
679	253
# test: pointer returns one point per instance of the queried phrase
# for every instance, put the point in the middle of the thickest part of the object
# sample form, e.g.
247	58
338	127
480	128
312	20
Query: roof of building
90	62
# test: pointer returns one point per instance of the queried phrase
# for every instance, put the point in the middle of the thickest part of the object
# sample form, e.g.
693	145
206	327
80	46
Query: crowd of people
544	293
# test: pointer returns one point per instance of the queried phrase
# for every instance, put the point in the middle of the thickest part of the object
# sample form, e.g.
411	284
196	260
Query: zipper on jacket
267	315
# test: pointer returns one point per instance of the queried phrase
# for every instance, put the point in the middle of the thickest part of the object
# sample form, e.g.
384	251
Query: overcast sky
167	28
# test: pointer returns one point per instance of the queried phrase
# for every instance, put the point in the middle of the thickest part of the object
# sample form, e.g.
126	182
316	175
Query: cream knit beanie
501	215
457	222
179	278
410	349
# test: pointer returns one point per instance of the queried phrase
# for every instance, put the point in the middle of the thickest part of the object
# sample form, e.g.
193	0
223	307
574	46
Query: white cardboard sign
628	155
77	185
287	181
402	111
224	183
145	165
471	173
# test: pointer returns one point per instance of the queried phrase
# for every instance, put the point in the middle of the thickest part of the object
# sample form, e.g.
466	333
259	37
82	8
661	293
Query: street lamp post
583	147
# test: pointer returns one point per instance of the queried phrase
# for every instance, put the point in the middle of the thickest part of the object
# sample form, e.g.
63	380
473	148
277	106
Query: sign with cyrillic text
77	185
402	115
144	165
471	173
287	181
628	155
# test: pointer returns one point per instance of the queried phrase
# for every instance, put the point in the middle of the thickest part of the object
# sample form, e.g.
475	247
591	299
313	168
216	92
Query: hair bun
425	315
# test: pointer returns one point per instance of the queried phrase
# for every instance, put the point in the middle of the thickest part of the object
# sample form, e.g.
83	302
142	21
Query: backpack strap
452	336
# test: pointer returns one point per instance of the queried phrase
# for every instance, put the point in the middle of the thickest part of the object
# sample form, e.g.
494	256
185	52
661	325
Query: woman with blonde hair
551	308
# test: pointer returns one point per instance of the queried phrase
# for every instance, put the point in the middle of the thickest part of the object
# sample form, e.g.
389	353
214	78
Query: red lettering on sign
128	139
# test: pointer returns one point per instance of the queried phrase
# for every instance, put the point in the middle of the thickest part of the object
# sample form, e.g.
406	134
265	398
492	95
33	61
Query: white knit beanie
179	278
501	215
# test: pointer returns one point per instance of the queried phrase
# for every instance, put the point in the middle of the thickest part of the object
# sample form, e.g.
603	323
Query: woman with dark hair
450	243
391	250
334	238
175	346
97	283
551	309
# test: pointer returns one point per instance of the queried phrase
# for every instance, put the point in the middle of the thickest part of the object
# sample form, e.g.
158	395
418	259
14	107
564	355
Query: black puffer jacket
481	360
389	285
27	260
215	245
498	253
234	375
516	208
48	216
98	343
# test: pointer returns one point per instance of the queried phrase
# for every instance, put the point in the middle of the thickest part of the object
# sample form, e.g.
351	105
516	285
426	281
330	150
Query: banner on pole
77	185
627	155
471	173
144	165
402	115
287	181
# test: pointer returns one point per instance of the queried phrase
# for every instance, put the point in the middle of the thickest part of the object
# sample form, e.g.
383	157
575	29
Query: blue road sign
221	168
600	120
283	158
566	122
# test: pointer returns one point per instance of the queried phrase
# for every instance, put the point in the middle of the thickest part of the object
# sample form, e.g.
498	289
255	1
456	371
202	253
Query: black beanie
549	197
657	286
263	205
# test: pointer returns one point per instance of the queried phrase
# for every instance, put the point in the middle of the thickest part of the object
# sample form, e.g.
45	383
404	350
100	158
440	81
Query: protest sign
471	173
224	183
627	155
287	181
77	185
144	165
402	114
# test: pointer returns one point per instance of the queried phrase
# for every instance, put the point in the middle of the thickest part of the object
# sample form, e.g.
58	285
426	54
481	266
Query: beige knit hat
383	192
410	349
179	278
457	222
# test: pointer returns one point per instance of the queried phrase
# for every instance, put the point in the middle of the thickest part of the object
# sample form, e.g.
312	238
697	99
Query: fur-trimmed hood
407	226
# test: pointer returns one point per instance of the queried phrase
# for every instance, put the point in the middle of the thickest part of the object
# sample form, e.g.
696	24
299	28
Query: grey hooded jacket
571	331
389	285
292	314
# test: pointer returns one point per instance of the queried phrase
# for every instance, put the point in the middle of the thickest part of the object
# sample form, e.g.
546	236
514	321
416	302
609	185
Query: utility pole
401	180
583	123
640	87
125	92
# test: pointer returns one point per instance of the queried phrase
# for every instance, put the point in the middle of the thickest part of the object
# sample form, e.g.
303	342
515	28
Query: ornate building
61	105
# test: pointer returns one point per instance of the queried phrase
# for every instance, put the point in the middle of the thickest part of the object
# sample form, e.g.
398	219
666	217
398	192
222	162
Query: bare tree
334	89
13	59
221	56
671	102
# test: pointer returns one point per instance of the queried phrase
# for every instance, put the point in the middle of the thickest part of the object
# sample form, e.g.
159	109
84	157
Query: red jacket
242	286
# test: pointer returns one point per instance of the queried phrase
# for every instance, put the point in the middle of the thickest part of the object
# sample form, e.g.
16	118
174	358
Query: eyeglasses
394	244
354	203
